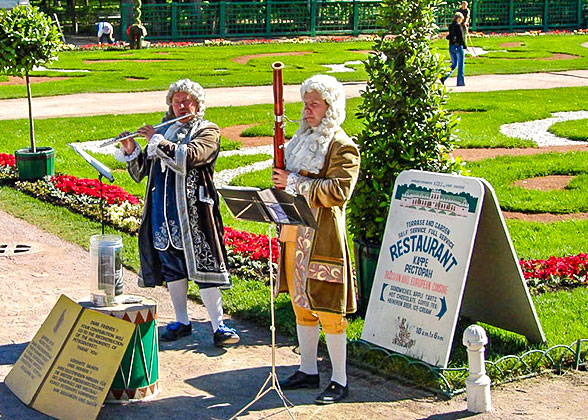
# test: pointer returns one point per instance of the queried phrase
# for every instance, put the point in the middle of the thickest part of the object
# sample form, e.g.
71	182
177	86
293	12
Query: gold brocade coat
322	264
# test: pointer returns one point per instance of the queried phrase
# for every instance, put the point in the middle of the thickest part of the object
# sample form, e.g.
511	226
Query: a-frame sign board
67	368
445	251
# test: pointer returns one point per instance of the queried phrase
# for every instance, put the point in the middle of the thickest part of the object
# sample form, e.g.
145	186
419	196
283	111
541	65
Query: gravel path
537	130
142	102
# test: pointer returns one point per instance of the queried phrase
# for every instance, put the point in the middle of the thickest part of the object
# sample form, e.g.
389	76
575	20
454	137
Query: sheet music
266	206
244	203
274	207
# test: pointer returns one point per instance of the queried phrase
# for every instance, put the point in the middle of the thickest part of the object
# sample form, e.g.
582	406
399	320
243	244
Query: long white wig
309	146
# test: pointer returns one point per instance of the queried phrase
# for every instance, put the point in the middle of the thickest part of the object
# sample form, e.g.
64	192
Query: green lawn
215	66
211	66
479	127
482	114
574	130
503	171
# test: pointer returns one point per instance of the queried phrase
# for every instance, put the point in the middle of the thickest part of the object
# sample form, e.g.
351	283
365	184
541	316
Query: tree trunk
71	8
31	122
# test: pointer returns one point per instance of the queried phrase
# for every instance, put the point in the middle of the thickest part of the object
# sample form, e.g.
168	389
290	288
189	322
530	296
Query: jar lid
106	240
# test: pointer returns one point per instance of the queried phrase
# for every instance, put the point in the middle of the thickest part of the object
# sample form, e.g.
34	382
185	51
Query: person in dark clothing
465	11
181	237
457	45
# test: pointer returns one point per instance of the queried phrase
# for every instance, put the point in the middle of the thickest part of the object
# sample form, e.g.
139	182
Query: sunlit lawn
248	65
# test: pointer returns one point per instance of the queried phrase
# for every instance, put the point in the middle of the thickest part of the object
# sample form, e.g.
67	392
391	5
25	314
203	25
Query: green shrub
405	125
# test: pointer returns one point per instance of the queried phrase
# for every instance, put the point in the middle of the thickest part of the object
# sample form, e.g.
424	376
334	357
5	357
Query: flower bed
121	45
121	209
554	273
248	252
91	187
251	245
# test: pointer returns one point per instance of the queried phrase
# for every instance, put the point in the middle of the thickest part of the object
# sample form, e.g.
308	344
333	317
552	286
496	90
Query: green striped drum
137	377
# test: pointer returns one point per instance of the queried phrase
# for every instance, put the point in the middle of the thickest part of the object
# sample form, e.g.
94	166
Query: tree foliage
28	38
406	126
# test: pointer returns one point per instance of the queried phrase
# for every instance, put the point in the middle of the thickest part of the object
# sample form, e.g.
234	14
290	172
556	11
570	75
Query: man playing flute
322	163
181	236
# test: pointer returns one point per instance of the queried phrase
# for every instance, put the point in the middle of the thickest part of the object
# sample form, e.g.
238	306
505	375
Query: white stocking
178	291
308	342
213	300
337	346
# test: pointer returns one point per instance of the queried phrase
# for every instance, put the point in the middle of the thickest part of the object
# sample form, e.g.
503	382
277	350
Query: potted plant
405	125
137	32
28	38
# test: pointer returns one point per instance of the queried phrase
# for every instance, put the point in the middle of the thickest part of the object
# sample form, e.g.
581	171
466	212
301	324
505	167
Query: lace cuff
153	143
298	184
121	156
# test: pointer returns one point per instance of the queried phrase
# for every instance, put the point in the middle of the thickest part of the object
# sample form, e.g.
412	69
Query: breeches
332	323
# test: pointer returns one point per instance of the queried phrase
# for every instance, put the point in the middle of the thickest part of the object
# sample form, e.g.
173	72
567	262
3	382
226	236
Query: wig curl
309	145
191	88
330	91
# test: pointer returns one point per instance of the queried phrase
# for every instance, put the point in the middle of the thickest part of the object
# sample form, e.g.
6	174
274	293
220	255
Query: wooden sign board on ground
445	251
68	367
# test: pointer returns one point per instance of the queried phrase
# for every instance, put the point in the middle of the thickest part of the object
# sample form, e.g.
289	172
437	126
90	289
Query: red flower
76	186
251	245
7	160
573	267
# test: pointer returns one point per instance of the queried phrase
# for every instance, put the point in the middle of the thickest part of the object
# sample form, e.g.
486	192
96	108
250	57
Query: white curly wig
331	91
308	147
191	88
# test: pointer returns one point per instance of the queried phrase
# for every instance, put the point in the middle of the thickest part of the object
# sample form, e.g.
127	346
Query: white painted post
478	383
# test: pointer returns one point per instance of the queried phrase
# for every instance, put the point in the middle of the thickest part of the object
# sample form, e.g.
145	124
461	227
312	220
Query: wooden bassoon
278	115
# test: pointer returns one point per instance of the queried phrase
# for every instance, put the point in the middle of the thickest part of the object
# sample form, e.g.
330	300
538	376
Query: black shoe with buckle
300	380
332	394
175	331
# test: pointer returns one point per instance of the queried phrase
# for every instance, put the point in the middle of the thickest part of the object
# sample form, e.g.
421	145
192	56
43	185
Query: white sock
178	291
308	342
213	300
337	346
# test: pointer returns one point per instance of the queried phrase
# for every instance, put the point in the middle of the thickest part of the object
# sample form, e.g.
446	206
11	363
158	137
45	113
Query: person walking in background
181	236
465	11
104	32
457	45
322	164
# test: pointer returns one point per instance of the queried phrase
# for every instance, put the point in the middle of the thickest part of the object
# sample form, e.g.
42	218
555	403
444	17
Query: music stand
277	207
103	171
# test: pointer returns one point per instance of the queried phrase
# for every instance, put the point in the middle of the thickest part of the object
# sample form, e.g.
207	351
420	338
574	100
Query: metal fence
201	19
517	15
451	381
177	21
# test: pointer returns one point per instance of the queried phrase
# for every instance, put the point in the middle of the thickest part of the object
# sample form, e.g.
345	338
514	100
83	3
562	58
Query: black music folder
271	205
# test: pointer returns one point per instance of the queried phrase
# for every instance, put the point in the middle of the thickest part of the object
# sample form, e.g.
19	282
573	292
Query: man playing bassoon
322	163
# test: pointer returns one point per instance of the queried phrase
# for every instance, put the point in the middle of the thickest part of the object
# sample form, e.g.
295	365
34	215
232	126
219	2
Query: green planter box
35	165
366	259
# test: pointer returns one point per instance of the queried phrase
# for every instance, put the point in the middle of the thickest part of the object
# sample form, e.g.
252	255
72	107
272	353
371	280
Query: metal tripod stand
271	383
